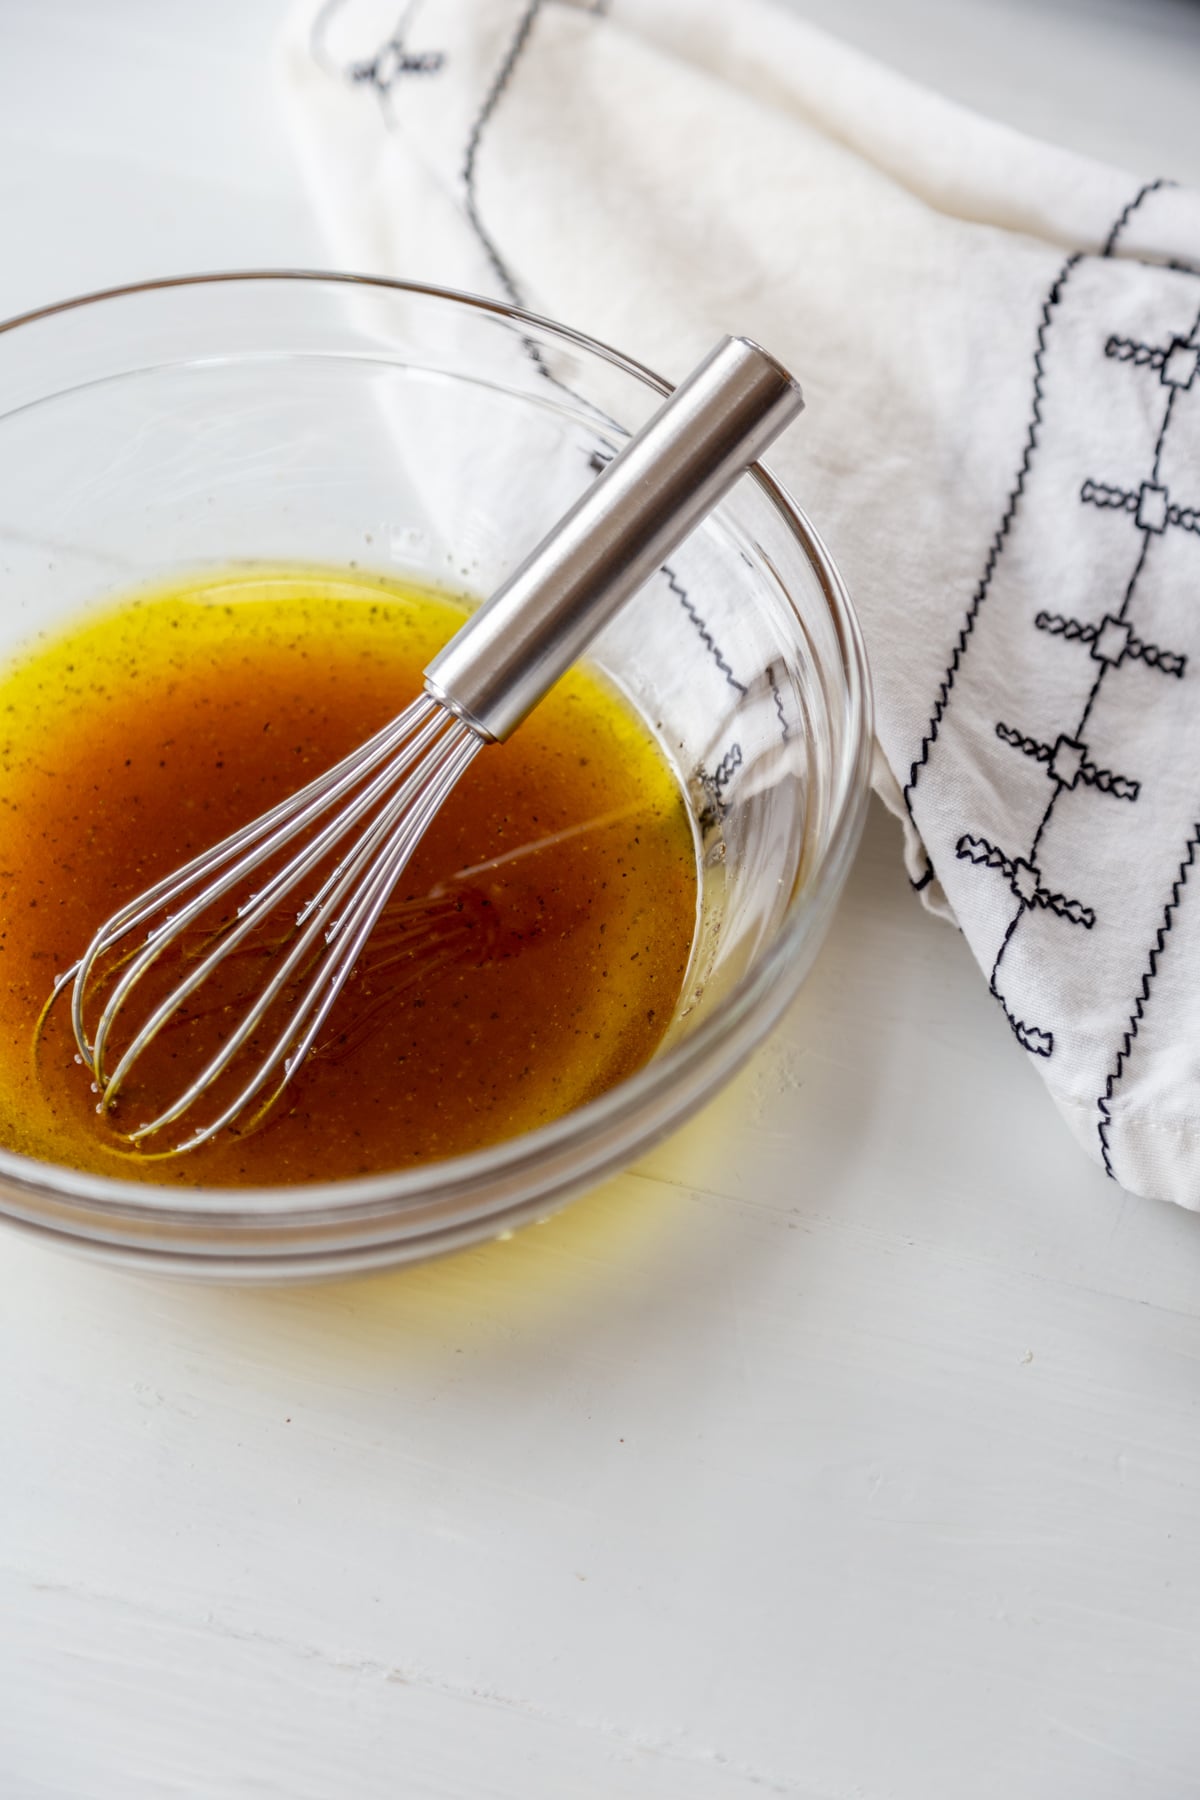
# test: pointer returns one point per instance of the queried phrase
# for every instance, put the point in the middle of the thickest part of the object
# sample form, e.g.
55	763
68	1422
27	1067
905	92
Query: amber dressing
531	958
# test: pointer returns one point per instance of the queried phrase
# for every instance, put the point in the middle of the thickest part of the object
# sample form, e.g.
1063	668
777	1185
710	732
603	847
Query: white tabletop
848	1448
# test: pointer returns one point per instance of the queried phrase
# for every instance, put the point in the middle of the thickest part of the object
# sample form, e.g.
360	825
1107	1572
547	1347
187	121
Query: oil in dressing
531	957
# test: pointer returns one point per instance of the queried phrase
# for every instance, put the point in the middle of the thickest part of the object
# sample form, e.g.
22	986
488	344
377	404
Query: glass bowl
327	419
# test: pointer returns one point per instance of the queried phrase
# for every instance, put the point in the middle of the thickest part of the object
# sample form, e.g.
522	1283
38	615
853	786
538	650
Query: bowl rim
751	1006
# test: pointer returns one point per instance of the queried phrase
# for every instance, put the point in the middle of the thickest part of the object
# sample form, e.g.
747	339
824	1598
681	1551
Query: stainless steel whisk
478	689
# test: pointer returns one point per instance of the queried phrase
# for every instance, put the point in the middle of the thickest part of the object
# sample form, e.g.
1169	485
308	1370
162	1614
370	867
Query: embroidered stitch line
1176	364
1142	999
1030	1037
1143	193
785	730
705	635
479	124
1068	761
390	62
715	785
996	547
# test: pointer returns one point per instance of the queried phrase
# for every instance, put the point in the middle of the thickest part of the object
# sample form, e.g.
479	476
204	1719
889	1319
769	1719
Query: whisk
366	815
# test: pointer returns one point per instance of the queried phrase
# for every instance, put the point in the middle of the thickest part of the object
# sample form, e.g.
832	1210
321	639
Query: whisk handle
498	666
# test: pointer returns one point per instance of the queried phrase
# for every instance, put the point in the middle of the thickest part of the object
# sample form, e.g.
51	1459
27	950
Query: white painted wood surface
847	1449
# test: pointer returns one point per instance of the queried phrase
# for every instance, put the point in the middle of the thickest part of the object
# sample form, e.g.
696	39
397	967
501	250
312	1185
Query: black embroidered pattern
491	99
715	786
1030	1037
1068	763
725	769
785	730
1027	745
1094	493
706	636
393	60
514	51
1025	880
390	62
1039	1043
1022	874
1142	998
1176	365
1151	505
997	545
1142	356
1111	641
1143	193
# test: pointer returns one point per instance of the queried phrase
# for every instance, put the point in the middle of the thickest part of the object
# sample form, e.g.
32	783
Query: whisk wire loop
254	911
247	849
399	827
423	758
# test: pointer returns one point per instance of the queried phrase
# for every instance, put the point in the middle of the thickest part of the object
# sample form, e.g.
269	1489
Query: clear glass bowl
329	419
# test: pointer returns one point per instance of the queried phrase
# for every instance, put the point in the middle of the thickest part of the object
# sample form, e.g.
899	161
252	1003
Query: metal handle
498	666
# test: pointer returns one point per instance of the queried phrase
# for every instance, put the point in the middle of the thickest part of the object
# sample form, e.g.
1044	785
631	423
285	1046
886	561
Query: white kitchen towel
998	342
